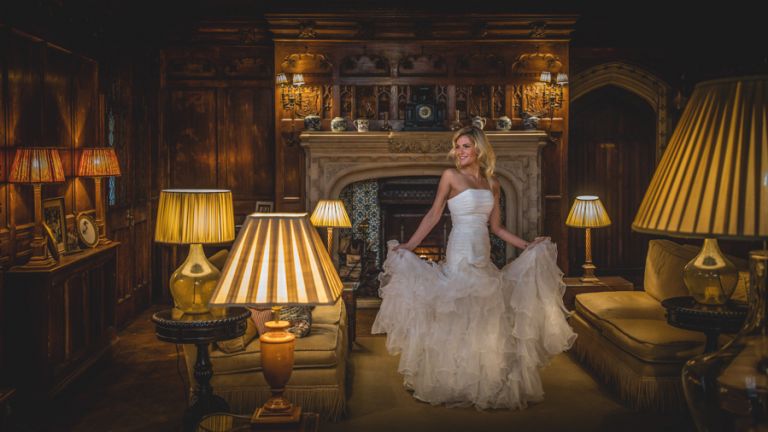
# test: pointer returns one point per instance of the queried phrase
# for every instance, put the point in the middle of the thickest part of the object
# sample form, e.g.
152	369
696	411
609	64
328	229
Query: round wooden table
686	313
173	326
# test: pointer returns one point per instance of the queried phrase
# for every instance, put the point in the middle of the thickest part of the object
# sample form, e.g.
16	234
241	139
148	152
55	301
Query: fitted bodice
469	236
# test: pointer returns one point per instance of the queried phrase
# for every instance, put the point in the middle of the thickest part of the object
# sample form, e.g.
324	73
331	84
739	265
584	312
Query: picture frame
53	218
51	242
87	230
265	206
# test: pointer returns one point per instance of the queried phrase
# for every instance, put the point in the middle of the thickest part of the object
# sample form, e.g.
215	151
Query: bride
469	333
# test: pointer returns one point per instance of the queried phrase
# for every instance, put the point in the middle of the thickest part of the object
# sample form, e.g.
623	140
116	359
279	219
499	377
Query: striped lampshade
330	213
36	165
713	178
191	216
98	162
587	212
278	259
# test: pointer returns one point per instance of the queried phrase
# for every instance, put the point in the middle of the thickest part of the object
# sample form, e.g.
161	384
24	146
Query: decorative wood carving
480	64
247	67
191	68
529	66
307	63
307	30
422	65
538	30
364	65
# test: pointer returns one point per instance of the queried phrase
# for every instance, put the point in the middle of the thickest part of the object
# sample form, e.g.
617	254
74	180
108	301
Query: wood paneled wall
48	97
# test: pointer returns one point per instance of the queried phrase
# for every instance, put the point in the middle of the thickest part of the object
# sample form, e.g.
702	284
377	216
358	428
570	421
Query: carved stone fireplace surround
336	159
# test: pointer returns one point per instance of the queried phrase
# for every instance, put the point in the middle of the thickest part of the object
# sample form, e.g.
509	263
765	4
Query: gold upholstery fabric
664	264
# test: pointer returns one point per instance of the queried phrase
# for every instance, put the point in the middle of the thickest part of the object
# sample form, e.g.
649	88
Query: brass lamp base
264	416
589	273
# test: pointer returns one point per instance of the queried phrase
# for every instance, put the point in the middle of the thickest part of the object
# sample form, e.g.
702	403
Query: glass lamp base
192	284
710	277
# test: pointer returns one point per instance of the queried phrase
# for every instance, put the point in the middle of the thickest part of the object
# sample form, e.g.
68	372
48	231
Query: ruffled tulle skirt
471	334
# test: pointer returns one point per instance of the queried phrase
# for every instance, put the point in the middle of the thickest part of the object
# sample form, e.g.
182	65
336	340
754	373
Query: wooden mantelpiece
59	320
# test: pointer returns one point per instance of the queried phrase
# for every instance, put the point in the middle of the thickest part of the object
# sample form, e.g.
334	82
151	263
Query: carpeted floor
139	388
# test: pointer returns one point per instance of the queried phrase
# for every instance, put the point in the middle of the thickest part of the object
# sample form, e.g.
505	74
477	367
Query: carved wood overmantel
335	160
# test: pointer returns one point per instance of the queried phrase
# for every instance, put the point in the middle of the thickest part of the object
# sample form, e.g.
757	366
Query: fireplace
406	160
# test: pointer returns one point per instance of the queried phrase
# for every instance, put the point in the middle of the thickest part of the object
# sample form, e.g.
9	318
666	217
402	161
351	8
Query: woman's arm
433	215
495	221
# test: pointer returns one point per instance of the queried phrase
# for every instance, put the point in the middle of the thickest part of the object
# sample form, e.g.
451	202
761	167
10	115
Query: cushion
636	323
328	314
239	343
260	317
664	269
219	258
300	318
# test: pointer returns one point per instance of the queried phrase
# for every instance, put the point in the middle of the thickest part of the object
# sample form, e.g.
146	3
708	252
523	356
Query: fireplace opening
391	209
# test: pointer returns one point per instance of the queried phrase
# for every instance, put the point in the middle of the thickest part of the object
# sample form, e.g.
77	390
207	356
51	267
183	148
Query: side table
685	313
574	286
173	326
349	294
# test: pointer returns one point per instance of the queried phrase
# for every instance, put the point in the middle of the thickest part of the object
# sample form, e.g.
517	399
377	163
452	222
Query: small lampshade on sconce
588	212
97	163
712	183
194	217
331	214
277	260
37	165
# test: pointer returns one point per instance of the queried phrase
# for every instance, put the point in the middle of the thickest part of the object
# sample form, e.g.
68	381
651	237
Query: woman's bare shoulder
494	183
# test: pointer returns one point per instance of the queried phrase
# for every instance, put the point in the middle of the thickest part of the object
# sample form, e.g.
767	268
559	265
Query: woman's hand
536	241
404	246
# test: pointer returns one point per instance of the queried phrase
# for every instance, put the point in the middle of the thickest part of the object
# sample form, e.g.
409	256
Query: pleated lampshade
36	165
587	212
330	213
192	216
713	178
98	162
278	259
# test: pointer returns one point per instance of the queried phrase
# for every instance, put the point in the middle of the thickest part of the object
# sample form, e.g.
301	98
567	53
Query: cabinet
59	320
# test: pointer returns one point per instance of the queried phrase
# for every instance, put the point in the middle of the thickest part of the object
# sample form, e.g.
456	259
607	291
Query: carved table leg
204	401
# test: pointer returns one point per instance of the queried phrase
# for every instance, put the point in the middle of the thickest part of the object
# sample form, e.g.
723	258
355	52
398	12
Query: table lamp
330	214
588	212
712	182
277	260
37	165
97	163
194	217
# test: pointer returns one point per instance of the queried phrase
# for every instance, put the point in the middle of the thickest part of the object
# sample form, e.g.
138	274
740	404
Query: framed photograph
265	206
53	218
52	248
87	231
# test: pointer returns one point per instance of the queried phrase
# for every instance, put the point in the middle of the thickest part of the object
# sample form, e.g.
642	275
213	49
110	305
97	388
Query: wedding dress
469	333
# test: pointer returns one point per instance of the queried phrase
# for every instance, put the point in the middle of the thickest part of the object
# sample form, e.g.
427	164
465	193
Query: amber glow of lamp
278	259
194	217
99	162
37	165
712	183
330	214
588	212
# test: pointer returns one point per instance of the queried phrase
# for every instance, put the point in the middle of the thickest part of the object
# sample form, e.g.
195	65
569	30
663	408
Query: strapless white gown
469	333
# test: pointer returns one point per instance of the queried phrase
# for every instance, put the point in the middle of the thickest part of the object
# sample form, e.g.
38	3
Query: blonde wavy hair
485	155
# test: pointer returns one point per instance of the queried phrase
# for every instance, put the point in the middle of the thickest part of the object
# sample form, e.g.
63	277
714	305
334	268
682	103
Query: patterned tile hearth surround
362	202
337	159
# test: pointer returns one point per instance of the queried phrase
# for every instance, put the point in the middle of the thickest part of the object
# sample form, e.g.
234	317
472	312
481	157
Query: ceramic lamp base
277	347
710	277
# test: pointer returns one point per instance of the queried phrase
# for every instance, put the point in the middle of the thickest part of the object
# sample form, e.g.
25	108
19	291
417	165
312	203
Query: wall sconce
553	89
552	95
290	91
290	99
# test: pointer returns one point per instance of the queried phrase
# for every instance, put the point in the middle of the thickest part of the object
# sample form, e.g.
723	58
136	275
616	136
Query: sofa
624	337
318	380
